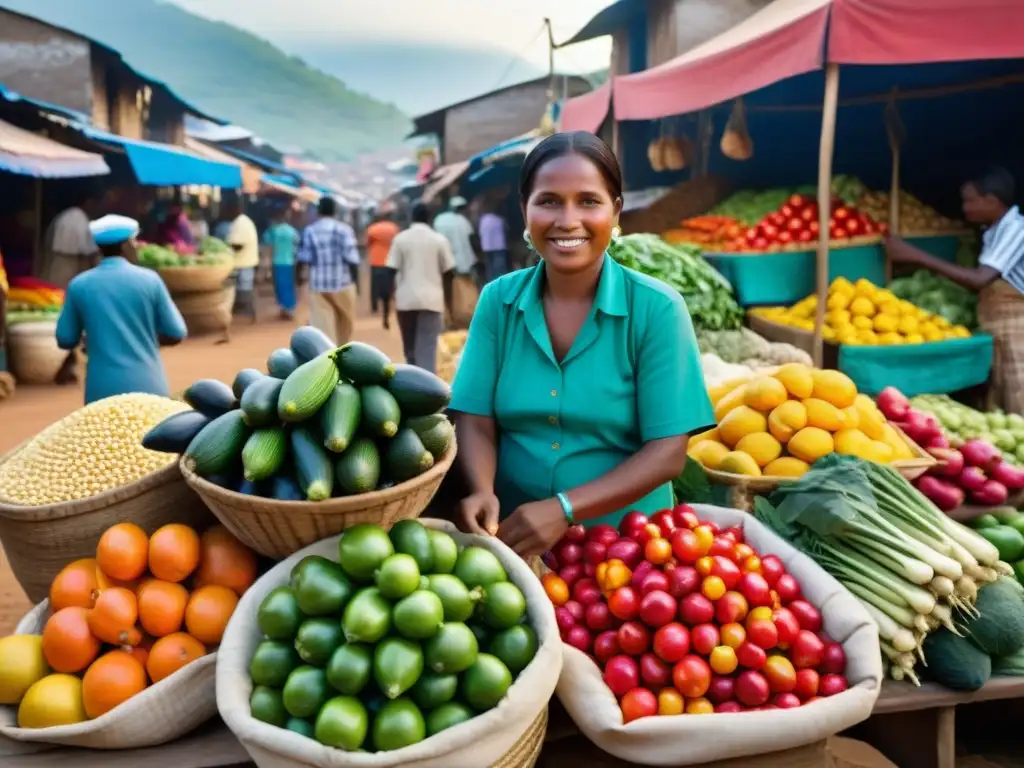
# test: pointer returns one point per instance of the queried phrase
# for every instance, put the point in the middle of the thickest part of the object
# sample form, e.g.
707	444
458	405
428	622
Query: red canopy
587	112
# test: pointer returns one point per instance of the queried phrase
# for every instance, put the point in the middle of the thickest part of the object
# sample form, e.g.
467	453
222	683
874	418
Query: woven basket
207	312
278	529
35	356
40	541
198	279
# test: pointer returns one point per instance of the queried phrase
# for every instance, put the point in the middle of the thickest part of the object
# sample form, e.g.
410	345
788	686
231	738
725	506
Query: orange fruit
208	612
225	561
123	551
173	552
141	651
171	653
76	585
111	680
68	644
161	606
113	618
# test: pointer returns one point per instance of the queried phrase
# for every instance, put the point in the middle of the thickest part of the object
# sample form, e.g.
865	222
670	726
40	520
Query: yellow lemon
797	379
890	338
885	296
867	337
834	387
838	317
828	334
739	463
907	308
810	444
739	423
848	336
838	301
931	334
862	307
864	287
961	332
913	338
908	325
708	453
862	323
841	285
54	700
890	308
787	466
941	322
886	323
761	447
22	664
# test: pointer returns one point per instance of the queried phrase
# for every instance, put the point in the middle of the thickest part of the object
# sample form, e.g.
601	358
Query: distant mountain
233	74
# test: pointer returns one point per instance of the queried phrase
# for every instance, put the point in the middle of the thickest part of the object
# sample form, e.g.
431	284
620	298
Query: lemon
941	322
890	308
908	325
22	664
865	288
838	301
885	323
889	338
54	700
862	307
841	285
914	338
961	332
867	337
862	323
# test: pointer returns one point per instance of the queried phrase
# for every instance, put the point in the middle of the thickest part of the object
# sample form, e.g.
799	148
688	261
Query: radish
972	479
922	429
938	442
980	453
991	494
893	404
1007	474
941	493
952	462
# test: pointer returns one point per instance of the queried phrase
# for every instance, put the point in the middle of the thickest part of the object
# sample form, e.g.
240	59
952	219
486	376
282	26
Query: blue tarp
260	162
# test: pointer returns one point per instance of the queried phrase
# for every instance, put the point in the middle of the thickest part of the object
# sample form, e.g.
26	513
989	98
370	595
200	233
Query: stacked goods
728	355
861	313
779	425
30	300
401	637
685	618
939	296
709	297
933	587
196	281
144	608
916	218
748	206
711	233
211	252
1004	529
1003	430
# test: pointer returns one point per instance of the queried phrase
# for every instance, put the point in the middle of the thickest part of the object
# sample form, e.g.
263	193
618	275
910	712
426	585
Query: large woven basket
35	356
197	279
40	541
278	529
207	312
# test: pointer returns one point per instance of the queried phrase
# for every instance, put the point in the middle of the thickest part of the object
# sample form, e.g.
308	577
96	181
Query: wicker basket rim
341	504
226	266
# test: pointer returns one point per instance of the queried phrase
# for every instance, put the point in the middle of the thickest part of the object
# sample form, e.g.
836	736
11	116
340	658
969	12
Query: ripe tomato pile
797	222
685	618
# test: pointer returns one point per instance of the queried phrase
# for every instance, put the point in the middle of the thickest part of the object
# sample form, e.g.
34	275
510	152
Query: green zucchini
173	434
419	392
438	439
284	488
282	363
307	388
243	379
264	453
406	456
380	412
339	417
358	468
250	488
312	465
421	424
259	402
215	450
211	397
308	342
363	364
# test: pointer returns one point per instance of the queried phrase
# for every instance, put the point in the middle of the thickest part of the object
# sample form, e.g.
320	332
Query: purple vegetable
941	493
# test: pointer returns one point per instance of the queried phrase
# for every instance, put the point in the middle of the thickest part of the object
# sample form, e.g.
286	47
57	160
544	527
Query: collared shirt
329	247
283	239
1003	248
420	257
123	310
632	375
459	232
243	233
69	234
492	233
379	237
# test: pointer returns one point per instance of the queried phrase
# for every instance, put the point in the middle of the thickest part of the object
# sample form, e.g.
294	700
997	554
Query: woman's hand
535	527
479	514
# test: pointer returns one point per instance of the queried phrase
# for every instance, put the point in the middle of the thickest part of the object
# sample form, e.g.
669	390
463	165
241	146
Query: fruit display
711	233
778	425
934	293
750	206
960	422
143	608
30	300
862	314
322	422
729	355
94	449
403	636
211	252
1004	529
916	218
685	618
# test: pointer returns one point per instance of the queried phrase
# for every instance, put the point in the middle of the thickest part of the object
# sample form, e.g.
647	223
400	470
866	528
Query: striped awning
29	154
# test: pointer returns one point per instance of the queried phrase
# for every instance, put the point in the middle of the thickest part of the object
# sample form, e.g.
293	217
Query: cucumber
421	424
380	412
312	465
259	402
264	453
282	363
284	488
308	342
406	456
362	364
215	450
250	488
211	397
358	468
243	379
173	434
418	392
438	439
307	388
339	417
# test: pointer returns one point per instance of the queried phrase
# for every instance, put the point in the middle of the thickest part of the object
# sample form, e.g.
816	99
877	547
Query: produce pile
94	449
709	296
915	217
727	355
449	352
1004	530
211	252
862	314
779	425
934	293
684	618
323	422
142	609
934	588
711	233
30	301
748	206
1003	430
383	648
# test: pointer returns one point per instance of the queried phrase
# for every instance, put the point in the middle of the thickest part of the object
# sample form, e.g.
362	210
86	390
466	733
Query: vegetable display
210	252
934	293
685	618
30	300
401	638
916	217
1003	430
709	232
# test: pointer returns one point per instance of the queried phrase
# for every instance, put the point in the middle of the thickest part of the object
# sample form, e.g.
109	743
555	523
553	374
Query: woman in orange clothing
379	235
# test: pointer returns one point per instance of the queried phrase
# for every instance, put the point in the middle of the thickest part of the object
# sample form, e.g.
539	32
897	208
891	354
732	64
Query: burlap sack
161	713
689	740
484	741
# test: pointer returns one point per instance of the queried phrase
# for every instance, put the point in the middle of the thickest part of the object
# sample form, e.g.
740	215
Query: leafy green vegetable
692	485
939	296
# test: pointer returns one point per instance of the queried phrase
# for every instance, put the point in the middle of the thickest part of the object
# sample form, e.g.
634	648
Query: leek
900	637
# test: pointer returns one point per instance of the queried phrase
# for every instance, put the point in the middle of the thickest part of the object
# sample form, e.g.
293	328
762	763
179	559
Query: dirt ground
34	408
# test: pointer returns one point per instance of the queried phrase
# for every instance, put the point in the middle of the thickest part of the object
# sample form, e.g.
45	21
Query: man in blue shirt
125	312
328	256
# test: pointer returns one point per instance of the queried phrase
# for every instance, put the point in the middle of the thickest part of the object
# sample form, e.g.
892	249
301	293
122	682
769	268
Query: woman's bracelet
566	508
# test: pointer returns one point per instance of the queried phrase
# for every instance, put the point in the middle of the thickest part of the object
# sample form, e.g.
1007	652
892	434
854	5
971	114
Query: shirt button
554	446
552	419
554	393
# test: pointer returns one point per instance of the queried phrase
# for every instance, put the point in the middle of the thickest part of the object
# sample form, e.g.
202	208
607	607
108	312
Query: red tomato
788	588
704	639
736	534
805	237
763	634
733	635
807	650
579	637
696	609
682	581
634	638
598	618
672	642
639	574
786	701
832	684
750	656
686	545
771	569
664	521
670	702
806	614
728	707
684	516
727	571
606	645
723	660
658	551
795	224
655	580
657	608
780	674
571	574
632	522
786	235
755	589
807	682
786	625
723	546
624	603
692	677
594	552
835	659
654	673
586	592
621	674
732	607
752	689
576	609
603	534
722	689
638	703
645	534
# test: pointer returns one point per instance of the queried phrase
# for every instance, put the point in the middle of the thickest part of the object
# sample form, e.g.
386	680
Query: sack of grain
691	740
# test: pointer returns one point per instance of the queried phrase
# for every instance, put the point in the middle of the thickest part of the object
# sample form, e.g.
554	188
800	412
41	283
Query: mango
739	463
892	438
761	447
739	423
764	393
853	442
732	400
708	453
810	444
881	453
717	392
710	434
834	387
850	417
787	466
823	415
796	378
786	420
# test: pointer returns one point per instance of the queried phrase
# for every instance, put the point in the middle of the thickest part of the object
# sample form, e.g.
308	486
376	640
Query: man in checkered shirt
327	255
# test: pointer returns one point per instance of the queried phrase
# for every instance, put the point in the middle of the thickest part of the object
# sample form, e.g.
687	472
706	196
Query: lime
307	562
515	646
447	715
432	690
504	605
481	631
279	615
350	667
305	691
445	550
321	587
1018	570
478	567
362	549
300	726
367	617
453	649
317	639
272	662
397	665
418	616
410	537
342	723
266	705
398	724
398	577
485	683
457	600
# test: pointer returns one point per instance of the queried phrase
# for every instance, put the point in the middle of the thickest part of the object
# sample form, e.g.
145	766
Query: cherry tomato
634	638
735	533
632	522
692	677
728	571
648	532
751	564
638	703
772	568
685	545
670	702
555	588
683	516
780	673
624	603
763	634
705	537
723	660
787	626
713	588
723	547
664	522
654	673
807	682
758	614
704	638
732	607
743	551
704	566
733	635
672	642
751	656
606	645
755	589
787	587
658	551
699	706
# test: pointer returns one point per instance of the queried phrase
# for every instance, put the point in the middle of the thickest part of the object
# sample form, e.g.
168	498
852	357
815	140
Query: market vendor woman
580	380
999	277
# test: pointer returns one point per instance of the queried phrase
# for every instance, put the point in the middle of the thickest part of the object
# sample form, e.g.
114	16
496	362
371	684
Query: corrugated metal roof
28	154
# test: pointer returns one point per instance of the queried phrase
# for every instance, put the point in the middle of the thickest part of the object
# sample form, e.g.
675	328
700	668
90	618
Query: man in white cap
125	312
454	225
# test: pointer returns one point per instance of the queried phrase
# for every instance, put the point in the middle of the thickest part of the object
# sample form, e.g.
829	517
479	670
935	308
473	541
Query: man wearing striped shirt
328	253
989	200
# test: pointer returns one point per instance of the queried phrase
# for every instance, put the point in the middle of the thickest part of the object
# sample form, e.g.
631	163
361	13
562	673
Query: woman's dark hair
997	182
575	143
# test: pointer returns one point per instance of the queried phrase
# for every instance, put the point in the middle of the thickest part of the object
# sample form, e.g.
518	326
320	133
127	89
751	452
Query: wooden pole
37	240
825	151
895	131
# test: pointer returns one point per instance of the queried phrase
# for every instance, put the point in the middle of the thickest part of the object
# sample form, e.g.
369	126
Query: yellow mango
850	416
717	392
865	404
900	449
853	442
823	415
786	420
797	379
739	463
810	444
763	393
760	446
710	434
872	423
708	453
739	423
787	466
732	400
834	387
881	453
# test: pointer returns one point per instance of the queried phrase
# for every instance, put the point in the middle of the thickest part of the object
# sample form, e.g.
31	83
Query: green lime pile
404	636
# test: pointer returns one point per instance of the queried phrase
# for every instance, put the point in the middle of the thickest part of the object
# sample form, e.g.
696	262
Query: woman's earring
528	240
616	232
